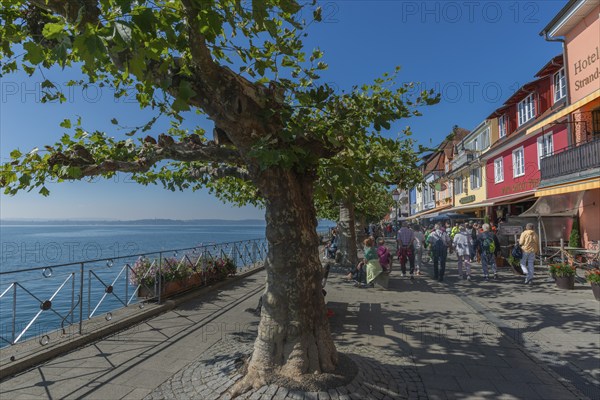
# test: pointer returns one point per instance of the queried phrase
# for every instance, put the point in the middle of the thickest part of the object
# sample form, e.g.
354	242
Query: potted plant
593	277
515	264
564	275
173	276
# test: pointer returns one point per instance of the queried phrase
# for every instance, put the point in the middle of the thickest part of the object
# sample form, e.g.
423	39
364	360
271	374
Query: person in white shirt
419	244
463	244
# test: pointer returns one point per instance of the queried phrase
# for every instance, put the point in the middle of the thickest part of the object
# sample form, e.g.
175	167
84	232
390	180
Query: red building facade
513	162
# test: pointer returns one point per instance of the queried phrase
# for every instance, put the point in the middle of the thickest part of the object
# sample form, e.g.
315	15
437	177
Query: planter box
596	290
565	282
168	289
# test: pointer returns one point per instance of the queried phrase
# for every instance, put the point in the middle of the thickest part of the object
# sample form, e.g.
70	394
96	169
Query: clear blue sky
475	53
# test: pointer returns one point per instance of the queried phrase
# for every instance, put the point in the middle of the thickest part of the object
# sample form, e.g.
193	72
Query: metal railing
571	160
56	297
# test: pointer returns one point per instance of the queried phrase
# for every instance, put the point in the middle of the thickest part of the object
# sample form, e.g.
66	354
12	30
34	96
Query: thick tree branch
221	172
148	155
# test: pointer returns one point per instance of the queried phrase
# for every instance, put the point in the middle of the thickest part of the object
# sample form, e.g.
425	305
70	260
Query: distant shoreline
12	222
139	222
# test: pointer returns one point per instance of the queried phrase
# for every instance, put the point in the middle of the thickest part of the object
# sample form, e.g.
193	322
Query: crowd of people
471	242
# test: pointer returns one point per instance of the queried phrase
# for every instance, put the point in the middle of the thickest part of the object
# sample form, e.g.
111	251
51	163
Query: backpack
439	245
489	245
517	252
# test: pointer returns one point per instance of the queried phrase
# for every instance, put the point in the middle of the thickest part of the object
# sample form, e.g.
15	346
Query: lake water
25	247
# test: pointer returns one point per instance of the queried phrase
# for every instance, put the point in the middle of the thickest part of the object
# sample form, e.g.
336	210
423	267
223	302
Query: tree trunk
347	235
360	230
293	336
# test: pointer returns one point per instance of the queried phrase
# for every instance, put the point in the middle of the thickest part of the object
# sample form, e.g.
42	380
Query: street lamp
396	197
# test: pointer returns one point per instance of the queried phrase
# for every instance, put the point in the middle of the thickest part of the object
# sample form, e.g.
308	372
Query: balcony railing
461	160
571	160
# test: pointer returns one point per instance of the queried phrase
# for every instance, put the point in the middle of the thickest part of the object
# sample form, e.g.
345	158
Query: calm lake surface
24	247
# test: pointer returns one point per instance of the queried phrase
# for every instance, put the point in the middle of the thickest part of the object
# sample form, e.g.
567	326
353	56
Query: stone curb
70	343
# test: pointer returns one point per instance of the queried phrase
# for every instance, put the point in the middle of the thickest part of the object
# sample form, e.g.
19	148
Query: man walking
440	241
406	248
530	245
462	244
489	246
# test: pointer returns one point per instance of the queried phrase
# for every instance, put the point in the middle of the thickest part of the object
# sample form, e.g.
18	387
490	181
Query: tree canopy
280	135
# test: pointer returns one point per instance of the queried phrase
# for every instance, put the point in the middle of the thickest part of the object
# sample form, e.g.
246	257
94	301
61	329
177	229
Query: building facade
513	162
575	171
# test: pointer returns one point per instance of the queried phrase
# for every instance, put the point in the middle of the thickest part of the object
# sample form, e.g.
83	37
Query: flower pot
168	289
596	290
565	282
143	291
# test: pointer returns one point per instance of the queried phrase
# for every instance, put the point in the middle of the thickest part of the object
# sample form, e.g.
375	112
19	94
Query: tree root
253	379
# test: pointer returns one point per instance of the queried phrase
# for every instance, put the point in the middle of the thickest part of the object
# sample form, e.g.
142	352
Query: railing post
562	251
72	296
126	286
159	277
81	299
14	316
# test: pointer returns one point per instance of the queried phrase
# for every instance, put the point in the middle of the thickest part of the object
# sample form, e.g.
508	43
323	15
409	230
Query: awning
563	112
513	198
589	184
430	212
563	205
471	206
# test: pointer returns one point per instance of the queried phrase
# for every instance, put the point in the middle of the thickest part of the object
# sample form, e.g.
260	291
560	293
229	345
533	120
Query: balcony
572	163
462	159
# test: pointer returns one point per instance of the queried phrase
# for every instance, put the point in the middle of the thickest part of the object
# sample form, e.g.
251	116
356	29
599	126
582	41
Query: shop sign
467	199
509	230
520	186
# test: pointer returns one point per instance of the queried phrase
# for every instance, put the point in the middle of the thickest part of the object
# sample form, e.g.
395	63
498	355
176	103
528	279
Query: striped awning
589	184
472	206
428	212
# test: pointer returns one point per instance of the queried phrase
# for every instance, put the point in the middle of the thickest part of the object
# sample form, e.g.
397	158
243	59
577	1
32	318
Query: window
545	147
485	139
560	85
428	193
476	178
458	185
596	121
518	157
498	170
526	109
502	126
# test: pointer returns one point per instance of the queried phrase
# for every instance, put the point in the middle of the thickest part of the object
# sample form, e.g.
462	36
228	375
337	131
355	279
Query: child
385	257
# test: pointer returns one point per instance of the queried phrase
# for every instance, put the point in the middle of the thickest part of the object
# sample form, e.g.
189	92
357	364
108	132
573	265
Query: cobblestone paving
381	375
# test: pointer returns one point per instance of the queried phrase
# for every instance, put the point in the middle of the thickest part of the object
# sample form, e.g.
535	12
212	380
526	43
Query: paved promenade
419	339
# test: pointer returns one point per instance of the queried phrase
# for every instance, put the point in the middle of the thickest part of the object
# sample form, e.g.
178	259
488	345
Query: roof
558	16
551	66
523	91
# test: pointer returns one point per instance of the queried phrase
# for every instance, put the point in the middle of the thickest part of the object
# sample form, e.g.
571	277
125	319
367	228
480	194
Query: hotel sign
467	199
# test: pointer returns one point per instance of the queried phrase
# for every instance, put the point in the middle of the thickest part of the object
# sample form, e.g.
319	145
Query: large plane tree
243	65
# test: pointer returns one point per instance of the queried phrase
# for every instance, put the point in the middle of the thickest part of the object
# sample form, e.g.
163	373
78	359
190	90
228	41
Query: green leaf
114	121
15	154
66	123
44	191
53	30
35	53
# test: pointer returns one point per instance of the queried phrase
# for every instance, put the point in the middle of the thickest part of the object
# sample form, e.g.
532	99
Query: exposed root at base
253	379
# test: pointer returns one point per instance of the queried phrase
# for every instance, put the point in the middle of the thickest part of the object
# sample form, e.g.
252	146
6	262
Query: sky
474	53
